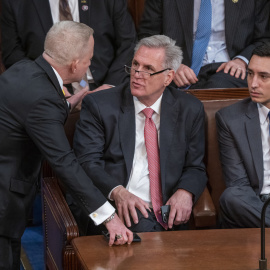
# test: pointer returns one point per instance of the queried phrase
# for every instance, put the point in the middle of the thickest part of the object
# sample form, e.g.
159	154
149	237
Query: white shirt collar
263	113
140	106
58	78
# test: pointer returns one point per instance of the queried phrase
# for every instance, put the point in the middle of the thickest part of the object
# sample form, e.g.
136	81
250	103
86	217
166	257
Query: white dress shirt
264	123
74	9
216	50
139	183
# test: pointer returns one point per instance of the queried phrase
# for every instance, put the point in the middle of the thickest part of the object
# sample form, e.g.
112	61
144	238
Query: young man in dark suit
244	140
236	28
110	144
32	116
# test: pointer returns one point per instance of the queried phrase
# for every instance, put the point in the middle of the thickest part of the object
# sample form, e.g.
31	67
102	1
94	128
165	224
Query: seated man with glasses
142	143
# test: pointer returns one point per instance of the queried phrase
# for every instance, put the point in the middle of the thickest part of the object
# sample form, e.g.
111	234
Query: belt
264	197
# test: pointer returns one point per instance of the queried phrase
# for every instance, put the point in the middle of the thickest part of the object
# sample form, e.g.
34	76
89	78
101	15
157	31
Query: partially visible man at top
142	143
217	37
33	111
24	25
244	140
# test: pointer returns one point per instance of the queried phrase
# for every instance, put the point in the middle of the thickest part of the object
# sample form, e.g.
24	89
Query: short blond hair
67	41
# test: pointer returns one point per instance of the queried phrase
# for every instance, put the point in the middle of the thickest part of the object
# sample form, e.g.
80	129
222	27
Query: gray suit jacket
104	140
240	145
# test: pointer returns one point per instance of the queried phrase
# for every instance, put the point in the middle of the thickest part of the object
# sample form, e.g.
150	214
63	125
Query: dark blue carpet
32	255
32	245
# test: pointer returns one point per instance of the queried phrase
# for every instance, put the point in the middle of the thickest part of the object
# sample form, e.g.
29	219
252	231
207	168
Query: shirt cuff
102	213
110	194
242	58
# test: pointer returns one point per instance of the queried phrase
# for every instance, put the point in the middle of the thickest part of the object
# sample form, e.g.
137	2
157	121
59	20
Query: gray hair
173	53
67	40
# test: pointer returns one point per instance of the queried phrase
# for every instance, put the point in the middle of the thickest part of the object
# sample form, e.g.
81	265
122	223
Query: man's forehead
149	55
259	62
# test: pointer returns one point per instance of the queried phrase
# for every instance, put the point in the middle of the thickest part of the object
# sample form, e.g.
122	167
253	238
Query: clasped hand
126	204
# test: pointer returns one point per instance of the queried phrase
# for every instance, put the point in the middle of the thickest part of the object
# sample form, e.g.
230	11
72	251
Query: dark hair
262	50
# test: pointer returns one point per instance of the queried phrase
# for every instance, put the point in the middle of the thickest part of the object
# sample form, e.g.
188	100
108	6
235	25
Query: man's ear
73	66
169	77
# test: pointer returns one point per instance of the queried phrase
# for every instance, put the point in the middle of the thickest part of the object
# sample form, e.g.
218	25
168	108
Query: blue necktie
202	35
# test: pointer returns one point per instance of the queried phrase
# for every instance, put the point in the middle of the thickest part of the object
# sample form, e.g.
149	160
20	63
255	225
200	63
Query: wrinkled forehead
150	56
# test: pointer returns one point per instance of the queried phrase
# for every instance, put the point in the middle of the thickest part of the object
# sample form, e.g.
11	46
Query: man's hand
184	76
127	203
236	67
116	227
75	100
181	207
102	87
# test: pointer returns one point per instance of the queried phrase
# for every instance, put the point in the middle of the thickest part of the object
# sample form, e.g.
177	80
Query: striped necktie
64	11
152	149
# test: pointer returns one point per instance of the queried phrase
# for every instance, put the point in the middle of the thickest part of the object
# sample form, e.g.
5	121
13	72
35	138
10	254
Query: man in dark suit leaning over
244	140
226	31
33	112
143	163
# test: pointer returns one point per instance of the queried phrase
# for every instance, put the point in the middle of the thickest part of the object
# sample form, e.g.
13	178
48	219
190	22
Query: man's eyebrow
134	61
260	72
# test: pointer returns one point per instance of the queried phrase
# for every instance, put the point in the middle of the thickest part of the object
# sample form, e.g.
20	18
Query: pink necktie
152	149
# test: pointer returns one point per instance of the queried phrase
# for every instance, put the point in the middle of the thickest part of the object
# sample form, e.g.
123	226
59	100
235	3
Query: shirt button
209	48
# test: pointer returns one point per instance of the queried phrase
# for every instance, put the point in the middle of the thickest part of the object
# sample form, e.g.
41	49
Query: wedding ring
118	236
239	68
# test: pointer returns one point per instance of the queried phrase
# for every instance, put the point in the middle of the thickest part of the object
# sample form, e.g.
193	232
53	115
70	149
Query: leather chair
136	8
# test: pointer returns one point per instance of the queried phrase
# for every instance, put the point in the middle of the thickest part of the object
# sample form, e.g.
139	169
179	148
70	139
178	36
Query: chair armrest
59	227
204	212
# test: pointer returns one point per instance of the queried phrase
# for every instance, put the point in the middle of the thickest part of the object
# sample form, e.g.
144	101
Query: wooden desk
235	249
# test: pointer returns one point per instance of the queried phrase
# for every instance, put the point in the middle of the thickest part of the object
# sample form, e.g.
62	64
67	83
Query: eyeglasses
144	74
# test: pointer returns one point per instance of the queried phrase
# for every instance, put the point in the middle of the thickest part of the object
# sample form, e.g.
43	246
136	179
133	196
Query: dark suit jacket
25	24
33	112
104	140
240	145
246	24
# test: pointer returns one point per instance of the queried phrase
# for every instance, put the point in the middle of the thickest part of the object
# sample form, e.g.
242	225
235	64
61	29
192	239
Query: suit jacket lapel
168	119
48	69
186	10
232	12
127	130
44	11
253	128
84	11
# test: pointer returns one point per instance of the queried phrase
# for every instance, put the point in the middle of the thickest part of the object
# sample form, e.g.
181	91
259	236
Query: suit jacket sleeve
12	50
89	146
234	172
193	178
151	22
44	124
124	42
261	27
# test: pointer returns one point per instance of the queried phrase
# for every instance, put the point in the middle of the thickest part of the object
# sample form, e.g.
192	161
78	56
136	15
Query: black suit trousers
10	250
